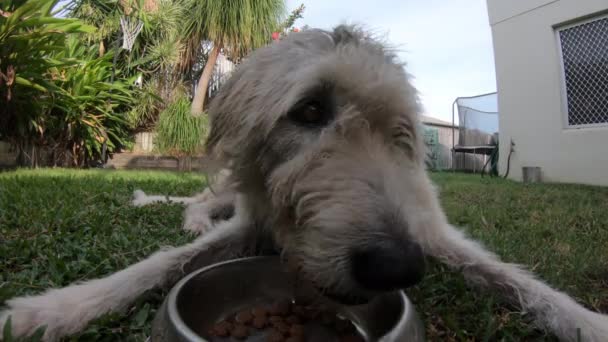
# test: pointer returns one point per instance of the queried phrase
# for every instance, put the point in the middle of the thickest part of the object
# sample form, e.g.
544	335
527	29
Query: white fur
197	216
140	199
552	310
68	310
199	208
197	213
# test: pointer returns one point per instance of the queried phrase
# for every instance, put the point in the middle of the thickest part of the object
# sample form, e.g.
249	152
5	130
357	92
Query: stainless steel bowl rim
173	313
180	325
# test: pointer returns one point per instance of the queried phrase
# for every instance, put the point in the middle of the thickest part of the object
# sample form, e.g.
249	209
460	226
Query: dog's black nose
388	265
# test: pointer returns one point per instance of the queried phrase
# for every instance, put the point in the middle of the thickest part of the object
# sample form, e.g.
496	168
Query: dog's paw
59	312
198	225
197	219
139	198
596	328
24	322
577	322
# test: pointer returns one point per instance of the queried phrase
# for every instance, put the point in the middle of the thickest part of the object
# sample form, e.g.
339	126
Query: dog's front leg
68	310
552	309
202	216
141	199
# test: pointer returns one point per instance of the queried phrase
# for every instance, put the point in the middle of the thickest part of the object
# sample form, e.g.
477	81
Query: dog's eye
310	114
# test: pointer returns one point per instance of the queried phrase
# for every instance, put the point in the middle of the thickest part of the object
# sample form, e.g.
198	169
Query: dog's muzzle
387	265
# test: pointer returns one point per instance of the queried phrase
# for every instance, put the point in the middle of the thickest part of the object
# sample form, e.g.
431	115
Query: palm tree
236	27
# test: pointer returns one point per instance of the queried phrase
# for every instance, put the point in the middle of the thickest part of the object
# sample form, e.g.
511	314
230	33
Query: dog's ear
345	34
223	121
218	124
215	158
353	34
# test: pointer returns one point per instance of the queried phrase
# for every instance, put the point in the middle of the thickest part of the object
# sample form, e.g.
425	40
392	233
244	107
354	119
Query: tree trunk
198	103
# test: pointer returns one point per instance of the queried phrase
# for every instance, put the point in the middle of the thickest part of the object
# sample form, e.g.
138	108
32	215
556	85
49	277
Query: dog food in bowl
285	321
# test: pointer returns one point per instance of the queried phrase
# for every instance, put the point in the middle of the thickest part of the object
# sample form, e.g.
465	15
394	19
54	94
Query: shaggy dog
320	134
203	211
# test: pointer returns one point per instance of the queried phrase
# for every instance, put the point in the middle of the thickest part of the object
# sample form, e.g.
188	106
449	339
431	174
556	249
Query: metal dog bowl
214	292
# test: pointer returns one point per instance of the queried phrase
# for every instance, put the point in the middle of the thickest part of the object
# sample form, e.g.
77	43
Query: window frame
562	71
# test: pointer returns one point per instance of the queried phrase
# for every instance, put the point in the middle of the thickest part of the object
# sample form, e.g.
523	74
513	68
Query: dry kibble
244	317
221	329
297	310
282	327
296	330
311	313
284	322
275	319
280	308
303	300
259	311
219	332
274	310
240	331
274	336
303	313
225	324
259	322
292	320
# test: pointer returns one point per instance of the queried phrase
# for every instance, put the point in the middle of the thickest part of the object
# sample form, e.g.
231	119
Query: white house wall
504	9
529	77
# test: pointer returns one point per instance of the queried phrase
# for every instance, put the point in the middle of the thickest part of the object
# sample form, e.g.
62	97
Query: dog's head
321	129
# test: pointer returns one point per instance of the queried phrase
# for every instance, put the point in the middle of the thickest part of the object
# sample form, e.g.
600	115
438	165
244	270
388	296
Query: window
584	50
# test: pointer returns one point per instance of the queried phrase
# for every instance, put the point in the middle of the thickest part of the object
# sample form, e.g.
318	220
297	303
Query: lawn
61	226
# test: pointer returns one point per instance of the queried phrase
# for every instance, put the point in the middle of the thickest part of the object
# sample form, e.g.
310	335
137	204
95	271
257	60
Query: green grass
60	226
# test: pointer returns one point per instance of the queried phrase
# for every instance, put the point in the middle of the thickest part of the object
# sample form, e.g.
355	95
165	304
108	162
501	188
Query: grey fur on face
323	133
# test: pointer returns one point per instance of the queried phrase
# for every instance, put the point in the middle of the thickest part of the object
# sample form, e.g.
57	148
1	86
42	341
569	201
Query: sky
446	44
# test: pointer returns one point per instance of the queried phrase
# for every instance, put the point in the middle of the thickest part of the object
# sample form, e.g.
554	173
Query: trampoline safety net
477	135
477	120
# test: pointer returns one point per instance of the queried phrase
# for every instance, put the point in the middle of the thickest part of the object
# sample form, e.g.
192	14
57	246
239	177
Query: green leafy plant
178	132
156	58
144	113
29	36
66	86
89	110
287	26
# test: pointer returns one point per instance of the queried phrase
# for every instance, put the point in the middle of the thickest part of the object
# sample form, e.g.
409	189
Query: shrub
29	35
89	109
178	132
55	94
